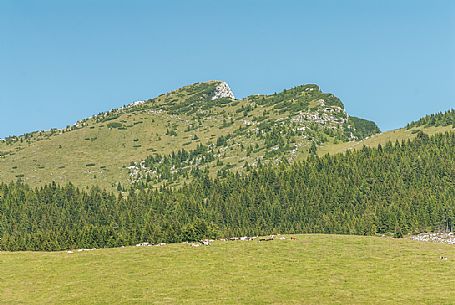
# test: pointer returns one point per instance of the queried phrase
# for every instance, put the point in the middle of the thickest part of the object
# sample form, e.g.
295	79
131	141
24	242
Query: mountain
224	167
178	135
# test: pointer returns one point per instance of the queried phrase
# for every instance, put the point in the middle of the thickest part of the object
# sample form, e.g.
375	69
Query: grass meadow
313	269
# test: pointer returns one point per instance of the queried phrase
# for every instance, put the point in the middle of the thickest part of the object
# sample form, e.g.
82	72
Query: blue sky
389	61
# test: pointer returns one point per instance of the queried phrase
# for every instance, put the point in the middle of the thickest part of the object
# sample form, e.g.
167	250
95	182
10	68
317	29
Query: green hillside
313	269
382	138
397	188
197	128
431	124
209	128
438	119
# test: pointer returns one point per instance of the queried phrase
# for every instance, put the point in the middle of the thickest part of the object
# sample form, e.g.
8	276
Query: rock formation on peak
222	90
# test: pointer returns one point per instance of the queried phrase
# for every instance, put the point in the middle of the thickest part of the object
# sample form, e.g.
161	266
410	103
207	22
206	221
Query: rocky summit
222	90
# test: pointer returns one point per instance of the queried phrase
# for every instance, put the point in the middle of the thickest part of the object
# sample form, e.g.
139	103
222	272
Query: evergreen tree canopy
398	188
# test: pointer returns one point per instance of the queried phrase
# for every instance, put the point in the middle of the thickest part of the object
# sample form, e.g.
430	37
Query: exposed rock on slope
223	91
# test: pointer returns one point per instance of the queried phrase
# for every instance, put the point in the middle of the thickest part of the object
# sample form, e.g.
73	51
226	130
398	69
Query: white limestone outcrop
222	90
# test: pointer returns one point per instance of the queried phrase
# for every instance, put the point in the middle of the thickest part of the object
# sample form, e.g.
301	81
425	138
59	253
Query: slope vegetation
399	188
200	127
431	124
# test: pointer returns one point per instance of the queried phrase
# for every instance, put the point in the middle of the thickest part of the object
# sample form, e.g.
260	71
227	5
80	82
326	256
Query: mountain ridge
187	130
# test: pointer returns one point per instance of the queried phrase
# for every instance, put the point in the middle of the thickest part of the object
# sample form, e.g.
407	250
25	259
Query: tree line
402	187
437	119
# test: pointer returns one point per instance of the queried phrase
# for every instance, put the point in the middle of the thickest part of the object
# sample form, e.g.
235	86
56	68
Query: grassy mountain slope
100	149
170	137
430	124
382	138
314	269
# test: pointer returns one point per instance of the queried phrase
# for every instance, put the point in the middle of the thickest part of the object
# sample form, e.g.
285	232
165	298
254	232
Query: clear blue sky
389	61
